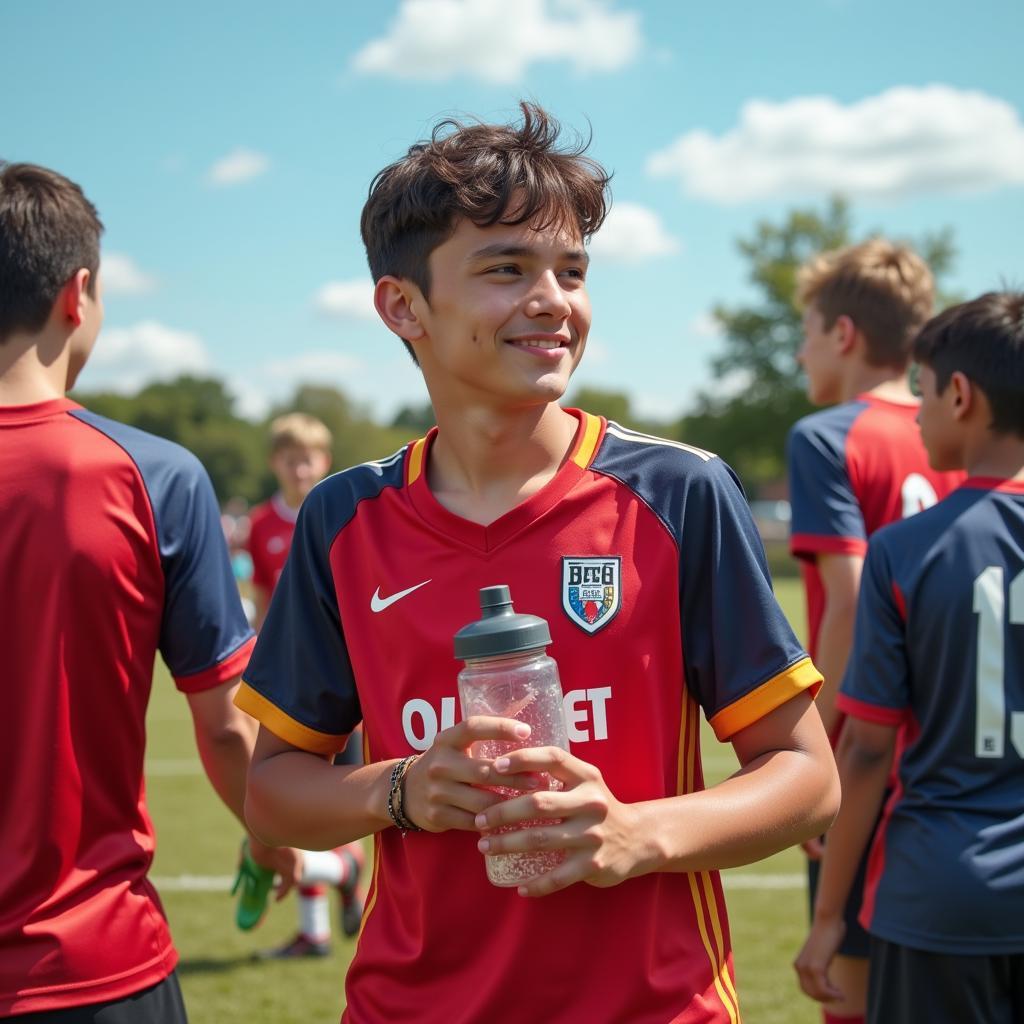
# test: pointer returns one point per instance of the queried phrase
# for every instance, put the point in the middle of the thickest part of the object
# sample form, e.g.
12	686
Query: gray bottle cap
500	630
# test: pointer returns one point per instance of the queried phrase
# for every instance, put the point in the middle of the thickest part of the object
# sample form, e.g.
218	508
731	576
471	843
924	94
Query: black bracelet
396	797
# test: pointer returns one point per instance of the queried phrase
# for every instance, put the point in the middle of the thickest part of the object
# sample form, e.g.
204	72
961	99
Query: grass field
197	843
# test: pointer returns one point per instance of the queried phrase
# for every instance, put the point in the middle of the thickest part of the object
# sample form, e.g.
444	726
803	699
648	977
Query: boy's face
297	468
939	431
508	315
818	355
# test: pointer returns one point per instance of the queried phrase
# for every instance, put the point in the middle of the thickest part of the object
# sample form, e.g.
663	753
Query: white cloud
123	276
126	358
705	325
237	166
899	143
347	300
434	40
632	233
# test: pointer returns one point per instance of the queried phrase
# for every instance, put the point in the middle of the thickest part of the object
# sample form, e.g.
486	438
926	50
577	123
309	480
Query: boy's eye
507	268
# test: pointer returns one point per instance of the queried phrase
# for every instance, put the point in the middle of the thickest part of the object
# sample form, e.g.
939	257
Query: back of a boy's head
486	173
48	232
984	340
299	430
886	289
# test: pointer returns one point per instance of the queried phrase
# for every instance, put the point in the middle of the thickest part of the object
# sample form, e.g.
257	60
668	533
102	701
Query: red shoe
352	896
300	946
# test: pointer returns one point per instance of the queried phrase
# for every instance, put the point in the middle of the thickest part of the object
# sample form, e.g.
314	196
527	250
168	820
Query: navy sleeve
826	514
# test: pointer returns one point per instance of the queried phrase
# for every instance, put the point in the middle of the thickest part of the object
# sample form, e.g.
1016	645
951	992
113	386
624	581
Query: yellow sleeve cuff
285	727
766	698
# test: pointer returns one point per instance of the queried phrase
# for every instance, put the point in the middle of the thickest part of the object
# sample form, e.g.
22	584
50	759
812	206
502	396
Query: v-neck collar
488	538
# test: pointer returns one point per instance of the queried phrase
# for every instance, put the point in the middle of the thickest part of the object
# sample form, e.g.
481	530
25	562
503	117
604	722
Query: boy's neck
1000	456
483	463
33	368
879	381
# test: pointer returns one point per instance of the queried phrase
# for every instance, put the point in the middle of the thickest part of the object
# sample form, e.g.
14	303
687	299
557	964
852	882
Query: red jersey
271	526
854	468
111	549
379	579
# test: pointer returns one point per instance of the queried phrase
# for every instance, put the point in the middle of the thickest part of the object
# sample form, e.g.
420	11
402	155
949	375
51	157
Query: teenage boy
852	469
300	456
476	242
940	649
111	550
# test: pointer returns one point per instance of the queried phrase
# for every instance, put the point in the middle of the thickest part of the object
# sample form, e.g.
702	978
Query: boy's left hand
812	962
599	833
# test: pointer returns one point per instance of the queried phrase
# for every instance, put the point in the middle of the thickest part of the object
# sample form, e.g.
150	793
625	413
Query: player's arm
864	757
225	737
261	601
840	579
301	798
785	791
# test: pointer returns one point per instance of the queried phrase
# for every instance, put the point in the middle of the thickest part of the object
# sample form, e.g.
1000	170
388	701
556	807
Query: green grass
222	985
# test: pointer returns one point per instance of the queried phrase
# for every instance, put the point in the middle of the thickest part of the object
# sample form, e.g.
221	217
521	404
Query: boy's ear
846	333
397	301
962	395
72	298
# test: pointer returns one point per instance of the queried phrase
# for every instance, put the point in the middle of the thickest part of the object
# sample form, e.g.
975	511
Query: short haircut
984	340
48	232
487	173
886	289
299	430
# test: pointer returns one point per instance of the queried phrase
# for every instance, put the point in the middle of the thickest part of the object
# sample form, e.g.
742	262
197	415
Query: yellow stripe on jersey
766	698
280	724
689	742
591	432
416	461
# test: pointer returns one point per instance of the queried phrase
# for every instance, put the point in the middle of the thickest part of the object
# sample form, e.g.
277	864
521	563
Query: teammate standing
940	650
476	241
300	456
852	469
111	550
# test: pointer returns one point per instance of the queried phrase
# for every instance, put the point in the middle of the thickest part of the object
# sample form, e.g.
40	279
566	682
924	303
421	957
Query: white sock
315	917
321	866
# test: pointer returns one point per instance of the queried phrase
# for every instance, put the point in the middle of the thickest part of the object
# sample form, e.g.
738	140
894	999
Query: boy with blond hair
939	654
853	468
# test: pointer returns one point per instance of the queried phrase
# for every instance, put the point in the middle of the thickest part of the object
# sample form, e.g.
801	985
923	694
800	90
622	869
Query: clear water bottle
508	674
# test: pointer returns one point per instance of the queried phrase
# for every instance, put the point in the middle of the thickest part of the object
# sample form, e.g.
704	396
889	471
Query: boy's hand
813	961
284	861
598	832
443	785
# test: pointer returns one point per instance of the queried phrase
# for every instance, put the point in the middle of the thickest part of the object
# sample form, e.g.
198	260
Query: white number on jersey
990	607
917	494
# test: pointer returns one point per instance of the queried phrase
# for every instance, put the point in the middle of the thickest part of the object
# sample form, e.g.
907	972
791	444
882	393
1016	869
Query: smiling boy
475	240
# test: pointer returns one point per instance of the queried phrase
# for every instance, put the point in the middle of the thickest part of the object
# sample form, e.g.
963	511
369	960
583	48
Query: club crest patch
591	590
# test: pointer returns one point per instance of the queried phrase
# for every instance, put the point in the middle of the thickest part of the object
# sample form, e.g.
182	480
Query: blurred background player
852	469
111	550
300	456
940	645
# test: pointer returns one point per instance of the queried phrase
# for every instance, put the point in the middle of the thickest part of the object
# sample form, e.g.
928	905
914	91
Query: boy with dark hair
476	240
852	469
111	550
939	651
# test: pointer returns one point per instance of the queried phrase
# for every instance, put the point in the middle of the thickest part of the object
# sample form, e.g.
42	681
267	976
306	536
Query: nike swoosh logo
378	603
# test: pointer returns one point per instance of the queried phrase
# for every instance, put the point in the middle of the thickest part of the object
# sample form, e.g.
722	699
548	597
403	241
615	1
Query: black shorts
855	941
908	986
161	1004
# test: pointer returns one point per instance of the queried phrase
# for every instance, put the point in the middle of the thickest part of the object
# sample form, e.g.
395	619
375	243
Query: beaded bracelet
396	797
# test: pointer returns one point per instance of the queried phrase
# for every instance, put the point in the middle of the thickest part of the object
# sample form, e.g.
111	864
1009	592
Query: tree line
756	394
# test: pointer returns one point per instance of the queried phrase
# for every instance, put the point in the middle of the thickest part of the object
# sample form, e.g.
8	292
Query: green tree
758	391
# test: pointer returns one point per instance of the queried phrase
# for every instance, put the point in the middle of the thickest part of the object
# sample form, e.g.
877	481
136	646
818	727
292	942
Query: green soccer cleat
253	884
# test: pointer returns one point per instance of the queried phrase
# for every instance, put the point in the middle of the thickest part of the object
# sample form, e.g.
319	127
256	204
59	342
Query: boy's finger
482	727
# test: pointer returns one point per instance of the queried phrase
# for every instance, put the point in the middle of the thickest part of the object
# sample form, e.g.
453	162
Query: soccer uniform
271	526
939	650
111	550
642	556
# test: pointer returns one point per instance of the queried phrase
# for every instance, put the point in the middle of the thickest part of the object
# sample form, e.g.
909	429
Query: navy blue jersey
939	648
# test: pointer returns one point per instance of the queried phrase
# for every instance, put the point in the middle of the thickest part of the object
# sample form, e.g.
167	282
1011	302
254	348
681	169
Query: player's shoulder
156	457
909	539
828	426
339	494
624	451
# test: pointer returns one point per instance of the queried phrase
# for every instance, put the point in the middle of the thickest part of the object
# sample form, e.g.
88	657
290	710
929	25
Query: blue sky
229	146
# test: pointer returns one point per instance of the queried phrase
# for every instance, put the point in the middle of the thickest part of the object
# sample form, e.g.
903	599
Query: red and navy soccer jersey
939	651
111	549
271	526
379	579
854	468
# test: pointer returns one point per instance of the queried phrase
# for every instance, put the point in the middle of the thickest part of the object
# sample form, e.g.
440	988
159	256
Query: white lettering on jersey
917	494
421	723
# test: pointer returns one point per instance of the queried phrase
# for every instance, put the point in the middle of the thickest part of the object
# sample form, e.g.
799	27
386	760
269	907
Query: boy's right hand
443	786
